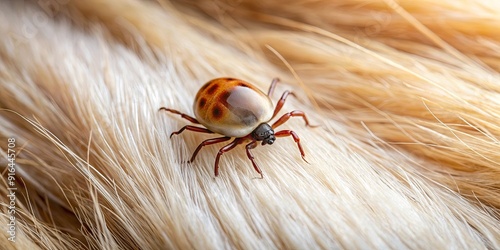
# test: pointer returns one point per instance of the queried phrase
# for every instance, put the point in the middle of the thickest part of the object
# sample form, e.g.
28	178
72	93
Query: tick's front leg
223	150
295	137
287	116
249	146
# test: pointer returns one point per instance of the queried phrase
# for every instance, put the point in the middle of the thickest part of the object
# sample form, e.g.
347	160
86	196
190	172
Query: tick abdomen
231	107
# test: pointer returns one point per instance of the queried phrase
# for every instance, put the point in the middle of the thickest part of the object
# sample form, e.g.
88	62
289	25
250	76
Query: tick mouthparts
269	140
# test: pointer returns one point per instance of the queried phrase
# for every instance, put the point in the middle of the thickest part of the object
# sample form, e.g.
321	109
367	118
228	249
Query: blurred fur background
407	94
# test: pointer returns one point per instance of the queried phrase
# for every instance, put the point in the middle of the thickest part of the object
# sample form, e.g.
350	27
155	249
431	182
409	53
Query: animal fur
406	95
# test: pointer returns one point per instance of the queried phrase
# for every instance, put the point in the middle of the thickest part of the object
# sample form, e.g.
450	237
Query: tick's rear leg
206	143
273	86
187	117
223	150
192	128
249	146
281	102
296	138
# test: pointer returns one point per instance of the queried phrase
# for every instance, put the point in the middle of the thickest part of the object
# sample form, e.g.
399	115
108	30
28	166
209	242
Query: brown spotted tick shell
231	107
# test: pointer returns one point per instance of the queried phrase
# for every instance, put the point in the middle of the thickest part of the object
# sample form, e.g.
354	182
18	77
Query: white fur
406	156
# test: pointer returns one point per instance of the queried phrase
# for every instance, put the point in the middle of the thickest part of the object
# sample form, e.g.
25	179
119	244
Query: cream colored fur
407	96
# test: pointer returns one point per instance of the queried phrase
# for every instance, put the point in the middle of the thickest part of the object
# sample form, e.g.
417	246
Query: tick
237	109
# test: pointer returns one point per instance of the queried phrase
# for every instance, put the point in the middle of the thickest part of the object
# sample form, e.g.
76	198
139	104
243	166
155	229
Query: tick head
264	133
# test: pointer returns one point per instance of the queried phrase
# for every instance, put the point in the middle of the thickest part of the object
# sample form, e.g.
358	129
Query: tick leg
223	150
249	146
187	117
296	138
207	142
192	128
273	86
287	116
281	102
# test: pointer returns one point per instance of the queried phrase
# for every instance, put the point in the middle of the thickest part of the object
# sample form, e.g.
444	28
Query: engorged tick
235	108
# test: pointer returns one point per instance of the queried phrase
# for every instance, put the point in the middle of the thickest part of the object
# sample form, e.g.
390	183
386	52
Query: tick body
237	109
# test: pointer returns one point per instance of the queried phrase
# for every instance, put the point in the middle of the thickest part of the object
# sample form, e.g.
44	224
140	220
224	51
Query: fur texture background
407	94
